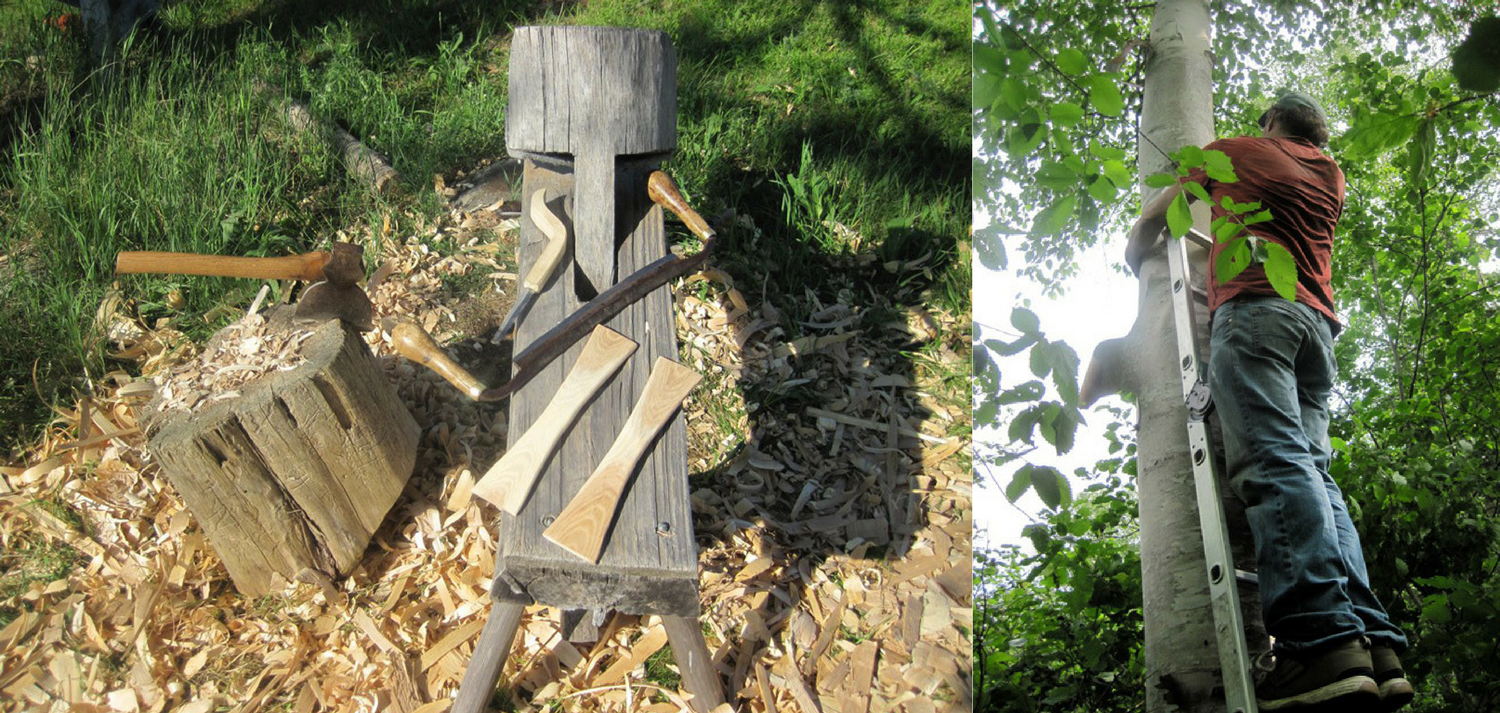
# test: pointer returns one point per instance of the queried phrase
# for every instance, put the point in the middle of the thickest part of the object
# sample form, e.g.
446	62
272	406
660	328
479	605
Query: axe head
338	295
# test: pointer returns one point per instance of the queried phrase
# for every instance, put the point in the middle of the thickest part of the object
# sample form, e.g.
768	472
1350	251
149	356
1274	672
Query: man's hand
1143	236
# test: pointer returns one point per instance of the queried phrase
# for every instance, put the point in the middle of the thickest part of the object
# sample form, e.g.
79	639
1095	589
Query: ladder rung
1199	239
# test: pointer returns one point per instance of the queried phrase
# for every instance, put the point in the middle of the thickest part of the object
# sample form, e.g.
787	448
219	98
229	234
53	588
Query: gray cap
1297	100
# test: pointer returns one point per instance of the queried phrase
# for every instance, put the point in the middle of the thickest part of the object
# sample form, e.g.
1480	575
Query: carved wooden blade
581	526
508	483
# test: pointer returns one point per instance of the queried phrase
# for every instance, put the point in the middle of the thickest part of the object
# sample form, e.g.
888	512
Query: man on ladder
1270	375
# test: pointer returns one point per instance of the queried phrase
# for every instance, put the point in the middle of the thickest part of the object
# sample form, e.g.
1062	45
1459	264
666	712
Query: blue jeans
1270	374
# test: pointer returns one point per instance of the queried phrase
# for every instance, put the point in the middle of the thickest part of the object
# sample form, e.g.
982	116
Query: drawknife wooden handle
508	483
581	526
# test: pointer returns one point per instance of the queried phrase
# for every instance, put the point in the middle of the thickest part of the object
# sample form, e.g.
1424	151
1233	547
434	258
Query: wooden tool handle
581	526
509	481
663	192
552	252
414	343
307	266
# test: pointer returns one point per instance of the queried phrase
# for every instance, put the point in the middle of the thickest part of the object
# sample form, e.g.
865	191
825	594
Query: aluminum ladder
1234	654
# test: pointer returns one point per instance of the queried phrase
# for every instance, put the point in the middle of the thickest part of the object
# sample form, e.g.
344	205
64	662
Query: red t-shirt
1304	190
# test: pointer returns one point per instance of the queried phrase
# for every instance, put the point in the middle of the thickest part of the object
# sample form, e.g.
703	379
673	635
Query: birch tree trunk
1182	660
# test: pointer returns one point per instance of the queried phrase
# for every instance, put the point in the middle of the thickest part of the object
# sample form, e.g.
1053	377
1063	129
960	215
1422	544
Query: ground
831	493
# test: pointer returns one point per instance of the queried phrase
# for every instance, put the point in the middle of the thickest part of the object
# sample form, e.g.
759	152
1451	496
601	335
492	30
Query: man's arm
1148	228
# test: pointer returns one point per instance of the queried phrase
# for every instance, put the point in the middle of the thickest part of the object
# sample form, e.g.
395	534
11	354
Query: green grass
840	130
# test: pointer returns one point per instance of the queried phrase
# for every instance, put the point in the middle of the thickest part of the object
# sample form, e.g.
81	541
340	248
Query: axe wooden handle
307	266
509	481
581	526
414	343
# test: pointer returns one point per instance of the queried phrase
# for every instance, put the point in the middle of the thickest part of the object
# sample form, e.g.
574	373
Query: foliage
1415	420
1061	628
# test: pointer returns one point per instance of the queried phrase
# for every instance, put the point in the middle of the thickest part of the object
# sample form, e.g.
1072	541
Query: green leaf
1179	216
1103	190
1055	176
1189	157
1018	346
1025	320
1260	217
1065	114
1052	218
1104	94
1160	180
1019	483
1072	61
1029	391
1197	190
1422	148
989	59
986	90
1226	229
1217	165
1117	173
1022	425
1013	91
1064	371
1050	486
1232	260
1041	360
1379	132
1281	270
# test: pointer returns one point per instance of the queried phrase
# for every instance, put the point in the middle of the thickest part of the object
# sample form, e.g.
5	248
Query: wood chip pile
832	514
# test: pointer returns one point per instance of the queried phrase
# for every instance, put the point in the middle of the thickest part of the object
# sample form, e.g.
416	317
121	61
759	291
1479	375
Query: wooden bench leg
489	658
691	652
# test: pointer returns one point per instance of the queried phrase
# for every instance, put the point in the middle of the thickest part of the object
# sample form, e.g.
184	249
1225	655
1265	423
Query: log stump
295	468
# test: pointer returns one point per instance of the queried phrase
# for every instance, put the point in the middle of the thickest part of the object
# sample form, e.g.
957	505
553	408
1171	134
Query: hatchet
335	294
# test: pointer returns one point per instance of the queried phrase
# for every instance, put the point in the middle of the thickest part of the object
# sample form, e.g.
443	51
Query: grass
839	129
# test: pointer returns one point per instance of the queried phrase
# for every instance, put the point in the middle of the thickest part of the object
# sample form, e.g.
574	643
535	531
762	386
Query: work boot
1395	690
1333	679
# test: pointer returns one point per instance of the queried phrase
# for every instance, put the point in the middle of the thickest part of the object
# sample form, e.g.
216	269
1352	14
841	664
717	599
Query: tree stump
294	469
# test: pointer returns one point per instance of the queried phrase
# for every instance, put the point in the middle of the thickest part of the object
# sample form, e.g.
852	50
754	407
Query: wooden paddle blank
508	483
581	526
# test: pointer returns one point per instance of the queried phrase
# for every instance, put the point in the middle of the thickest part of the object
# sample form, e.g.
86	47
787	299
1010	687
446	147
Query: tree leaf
1379	132
1064	371
1072	61
1050	485
1160	180
1117	173
1019	483
1025	320
1281	270
1064	114
986	90
1041	360
1197	190
1103	190
1052	218
1014	92
1179	216
1422	148
1104	94
1029	391
1233	259
1217	164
